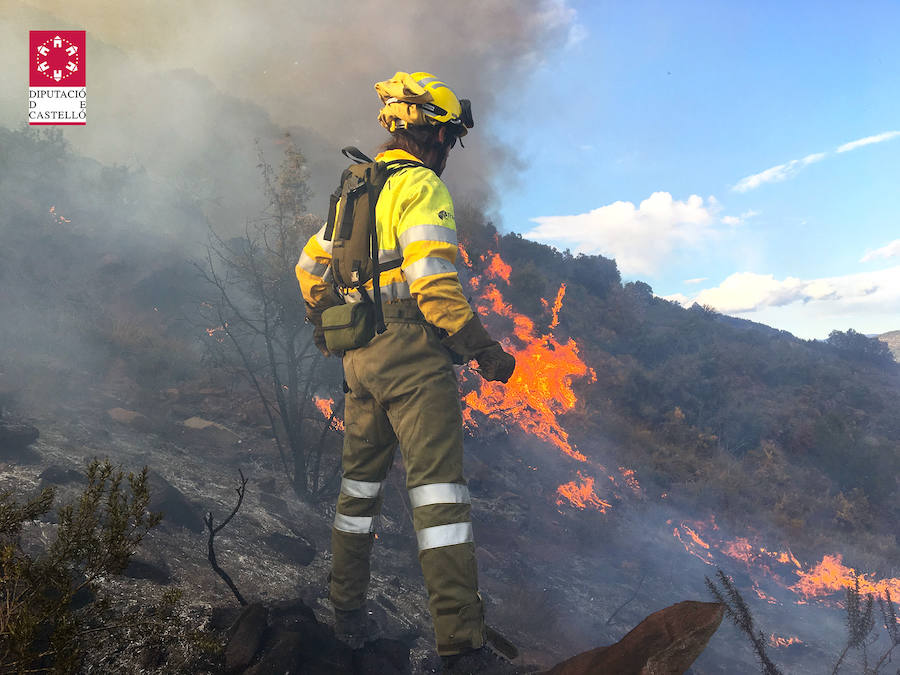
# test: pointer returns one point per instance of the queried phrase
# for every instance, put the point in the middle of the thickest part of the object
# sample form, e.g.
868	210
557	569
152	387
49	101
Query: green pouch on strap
348	326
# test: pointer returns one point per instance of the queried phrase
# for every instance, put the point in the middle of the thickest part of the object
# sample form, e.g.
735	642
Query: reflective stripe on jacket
415	223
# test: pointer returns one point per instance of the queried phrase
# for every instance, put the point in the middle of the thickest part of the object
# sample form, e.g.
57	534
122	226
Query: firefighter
402	387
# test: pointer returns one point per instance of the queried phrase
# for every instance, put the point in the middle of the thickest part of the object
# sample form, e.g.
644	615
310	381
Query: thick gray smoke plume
183	89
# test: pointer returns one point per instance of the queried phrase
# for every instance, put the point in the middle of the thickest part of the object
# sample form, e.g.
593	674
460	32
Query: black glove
496	364
473	342
314	316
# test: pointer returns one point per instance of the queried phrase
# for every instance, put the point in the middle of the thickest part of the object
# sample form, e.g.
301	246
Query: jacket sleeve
314	272
426	234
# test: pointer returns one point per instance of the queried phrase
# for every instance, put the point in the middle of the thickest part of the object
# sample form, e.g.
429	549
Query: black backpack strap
332	206
354	153
376	267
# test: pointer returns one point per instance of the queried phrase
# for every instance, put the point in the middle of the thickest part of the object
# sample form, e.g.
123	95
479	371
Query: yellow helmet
422	99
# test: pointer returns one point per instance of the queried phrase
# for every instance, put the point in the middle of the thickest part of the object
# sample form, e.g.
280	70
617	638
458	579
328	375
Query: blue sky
709	141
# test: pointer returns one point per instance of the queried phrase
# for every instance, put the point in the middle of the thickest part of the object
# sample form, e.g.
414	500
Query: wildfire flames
540	390
581	495
326	407
830	576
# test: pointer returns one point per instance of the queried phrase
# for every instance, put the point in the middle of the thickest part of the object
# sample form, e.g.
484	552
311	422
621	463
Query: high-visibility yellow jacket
415	224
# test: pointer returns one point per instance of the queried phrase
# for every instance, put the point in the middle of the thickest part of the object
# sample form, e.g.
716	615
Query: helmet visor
465	114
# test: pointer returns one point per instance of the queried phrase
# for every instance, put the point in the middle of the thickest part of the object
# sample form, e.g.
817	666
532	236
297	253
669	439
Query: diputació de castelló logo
57	78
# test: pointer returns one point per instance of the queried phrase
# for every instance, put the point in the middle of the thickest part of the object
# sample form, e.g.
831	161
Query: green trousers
403	388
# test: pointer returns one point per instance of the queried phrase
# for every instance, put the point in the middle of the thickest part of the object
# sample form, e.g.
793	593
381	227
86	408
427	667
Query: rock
295	642
60	475
284	656
177	509
665	643
209	433
386	657
124	416
245	637
16	436
296	549
142	569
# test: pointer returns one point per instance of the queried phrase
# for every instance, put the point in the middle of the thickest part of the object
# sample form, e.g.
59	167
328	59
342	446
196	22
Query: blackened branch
213	531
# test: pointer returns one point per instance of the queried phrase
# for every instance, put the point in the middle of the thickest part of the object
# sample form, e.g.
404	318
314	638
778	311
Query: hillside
892	340
639	446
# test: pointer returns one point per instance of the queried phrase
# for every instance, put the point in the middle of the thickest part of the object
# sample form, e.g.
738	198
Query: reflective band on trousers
310	265
427	233
354	524
445	535
360	488
426	267
439	493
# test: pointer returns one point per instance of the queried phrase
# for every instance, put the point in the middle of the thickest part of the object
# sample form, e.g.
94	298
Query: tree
256	324
857	346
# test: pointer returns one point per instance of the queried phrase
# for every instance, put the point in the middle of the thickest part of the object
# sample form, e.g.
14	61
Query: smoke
184	89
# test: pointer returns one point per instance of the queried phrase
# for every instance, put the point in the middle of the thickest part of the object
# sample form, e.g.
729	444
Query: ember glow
219	332
326	407
57	217
778	641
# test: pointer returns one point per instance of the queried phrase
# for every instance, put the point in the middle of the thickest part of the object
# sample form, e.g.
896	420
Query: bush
48	600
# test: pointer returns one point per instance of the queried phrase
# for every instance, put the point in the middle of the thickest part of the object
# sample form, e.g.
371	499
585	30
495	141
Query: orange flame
581	496
541	387
498	269
540	390
326	407
831	576
828	577
631	479
465	255
219	332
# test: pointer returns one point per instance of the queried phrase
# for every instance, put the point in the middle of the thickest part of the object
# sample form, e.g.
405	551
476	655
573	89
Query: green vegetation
725	413
48	599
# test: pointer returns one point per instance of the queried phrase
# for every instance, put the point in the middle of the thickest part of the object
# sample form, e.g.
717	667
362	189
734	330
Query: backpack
354	253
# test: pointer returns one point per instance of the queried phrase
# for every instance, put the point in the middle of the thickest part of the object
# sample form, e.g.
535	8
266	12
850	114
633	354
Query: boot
355	627
481	661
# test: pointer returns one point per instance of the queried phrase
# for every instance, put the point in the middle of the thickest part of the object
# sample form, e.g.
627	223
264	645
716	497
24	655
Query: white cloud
868	140
639	238
777	173
698	280
891	250
868	302
734	221
790	169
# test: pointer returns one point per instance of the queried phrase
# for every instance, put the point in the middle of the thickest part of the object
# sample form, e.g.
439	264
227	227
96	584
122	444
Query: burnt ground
551	577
